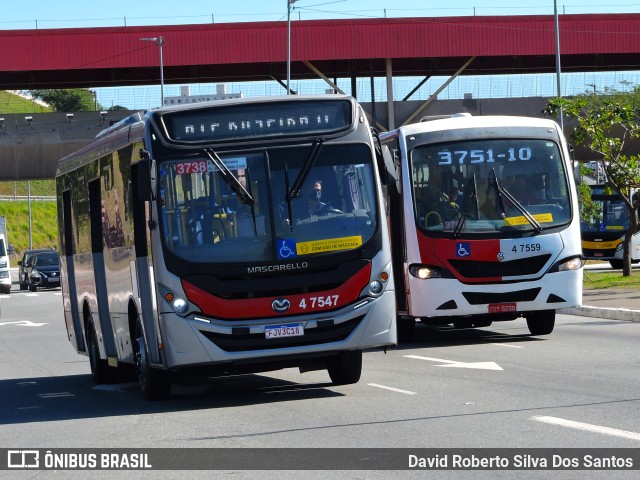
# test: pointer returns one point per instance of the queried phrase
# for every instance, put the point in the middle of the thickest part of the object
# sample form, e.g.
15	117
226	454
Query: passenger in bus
492	208
447	206
528	189
314	195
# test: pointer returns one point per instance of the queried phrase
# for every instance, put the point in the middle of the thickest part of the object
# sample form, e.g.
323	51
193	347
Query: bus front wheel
542	322
101	372
346	367
406	327
154	382
616	264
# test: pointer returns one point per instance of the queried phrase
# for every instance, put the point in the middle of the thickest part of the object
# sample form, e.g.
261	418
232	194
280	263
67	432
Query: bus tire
155	383
101	372
406	327
542	322
346	367
617	264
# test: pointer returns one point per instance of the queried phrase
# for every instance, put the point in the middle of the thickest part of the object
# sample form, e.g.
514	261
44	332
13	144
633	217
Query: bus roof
455	122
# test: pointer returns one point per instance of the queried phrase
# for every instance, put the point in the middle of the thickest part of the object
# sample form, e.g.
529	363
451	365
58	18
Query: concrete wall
31	150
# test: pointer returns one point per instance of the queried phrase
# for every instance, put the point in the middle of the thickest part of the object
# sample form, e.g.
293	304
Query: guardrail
25	198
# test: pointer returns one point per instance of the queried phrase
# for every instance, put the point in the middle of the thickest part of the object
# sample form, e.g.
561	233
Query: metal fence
25	198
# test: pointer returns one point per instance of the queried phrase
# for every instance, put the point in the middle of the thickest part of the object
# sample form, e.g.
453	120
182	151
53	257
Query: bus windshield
509	186
244	210
612	216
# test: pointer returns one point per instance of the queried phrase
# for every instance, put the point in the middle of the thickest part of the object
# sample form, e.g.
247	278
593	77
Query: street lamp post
557	35
159	41
289	3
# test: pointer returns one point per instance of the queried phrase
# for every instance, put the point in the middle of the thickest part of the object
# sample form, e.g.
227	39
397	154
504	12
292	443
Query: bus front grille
257	341
511	268
482	298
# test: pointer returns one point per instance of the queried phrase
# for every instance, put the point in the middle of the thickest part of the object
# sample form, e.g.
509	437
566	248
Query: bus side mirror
146	181
389	171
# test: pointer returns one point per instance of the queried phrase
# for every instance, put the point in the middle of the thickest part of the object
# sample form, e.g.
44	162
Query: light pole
160	41
557	32
289	3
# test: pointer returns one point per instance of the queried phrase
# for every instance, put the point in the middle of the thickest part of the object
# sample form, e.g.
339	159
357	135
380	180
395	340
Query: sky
44	14
82	13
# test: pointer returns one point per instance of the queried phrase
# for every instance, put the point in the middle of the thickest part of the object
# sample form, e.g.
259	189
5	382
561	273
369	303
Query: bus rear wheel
345	368
155	383
542	322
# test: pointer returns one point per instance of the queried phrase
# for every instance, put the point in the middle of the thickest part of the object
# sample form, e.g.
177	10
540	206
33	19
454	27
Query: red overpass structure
116	56
327	49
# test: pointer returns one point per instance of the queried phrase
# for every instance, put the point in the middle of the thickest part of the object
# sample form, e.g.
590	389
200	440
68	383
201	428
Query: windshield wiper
500	192
306	168
467	205
288	197
229	177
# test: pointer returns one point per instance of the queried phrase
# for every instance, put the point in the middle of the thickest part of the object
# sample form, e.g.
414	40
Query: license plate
54	279
281	331
502	307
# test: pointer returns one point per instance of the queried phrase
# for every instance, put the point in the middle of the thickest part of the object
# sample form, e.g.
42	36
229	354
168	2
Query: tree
608	122
69	100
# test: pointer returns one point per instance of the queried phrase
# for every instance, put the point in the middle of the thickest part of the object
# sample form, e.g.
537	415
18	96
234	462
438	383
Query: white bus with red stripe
486	225
236	236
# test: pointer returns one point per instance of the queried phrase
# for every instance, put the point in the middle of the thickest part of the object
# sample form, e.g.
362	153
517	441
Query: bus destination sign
236	122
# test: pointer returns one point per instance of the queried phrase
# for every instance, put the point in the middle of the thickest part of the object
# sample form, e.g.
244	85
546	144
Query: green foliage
601	280
608	123
39	188
44	228
589	210
69	100
12	103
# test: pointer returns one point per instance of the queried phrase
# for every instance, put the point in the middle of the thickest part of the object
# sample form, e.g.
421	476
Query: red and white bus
486	225
189	244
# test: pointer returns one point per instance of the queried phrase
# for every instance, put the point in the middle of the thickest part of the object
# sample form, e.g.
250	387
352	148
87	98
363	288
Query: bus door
100	278
74	326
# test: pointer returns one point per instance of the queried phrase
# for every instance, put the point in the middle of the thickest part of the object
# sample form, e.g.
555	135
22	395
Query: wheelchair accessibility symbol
286	248
463	249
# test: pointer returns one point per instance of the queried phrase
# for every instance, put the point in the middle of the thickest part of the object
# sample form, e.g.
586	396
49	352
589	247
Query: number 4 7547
319	302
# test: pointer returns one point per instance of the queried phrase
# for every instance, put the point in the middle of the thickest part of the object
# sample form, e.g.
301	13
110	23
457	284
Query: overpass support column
392	119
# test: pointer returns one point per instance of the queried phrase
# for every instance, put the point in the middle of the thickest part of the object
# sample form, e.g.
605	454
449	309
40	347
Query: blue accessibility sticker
286	248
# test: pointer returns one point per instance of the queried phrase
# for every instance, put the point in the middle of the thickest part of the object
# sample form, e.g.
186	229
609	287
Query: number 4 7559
526	247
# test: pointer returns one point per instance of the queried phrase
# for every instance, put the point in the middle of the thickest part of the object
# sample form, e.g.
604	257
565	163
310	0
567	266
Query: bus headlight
572	264
375	287
424	272
180	306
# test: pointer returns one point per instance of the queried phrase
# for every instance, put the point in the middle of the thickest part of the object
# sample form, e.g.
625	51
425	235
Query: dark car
24	264
43	270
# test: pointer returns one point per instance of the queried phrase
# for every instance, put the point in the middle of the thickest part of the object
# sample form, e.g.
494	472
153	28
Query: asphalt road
490	388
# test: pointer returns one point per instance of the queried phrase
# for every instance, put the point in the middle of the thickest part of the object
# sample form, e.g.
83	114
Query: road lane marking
23	323
588	427
506	345
56	395
454	364
406	392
